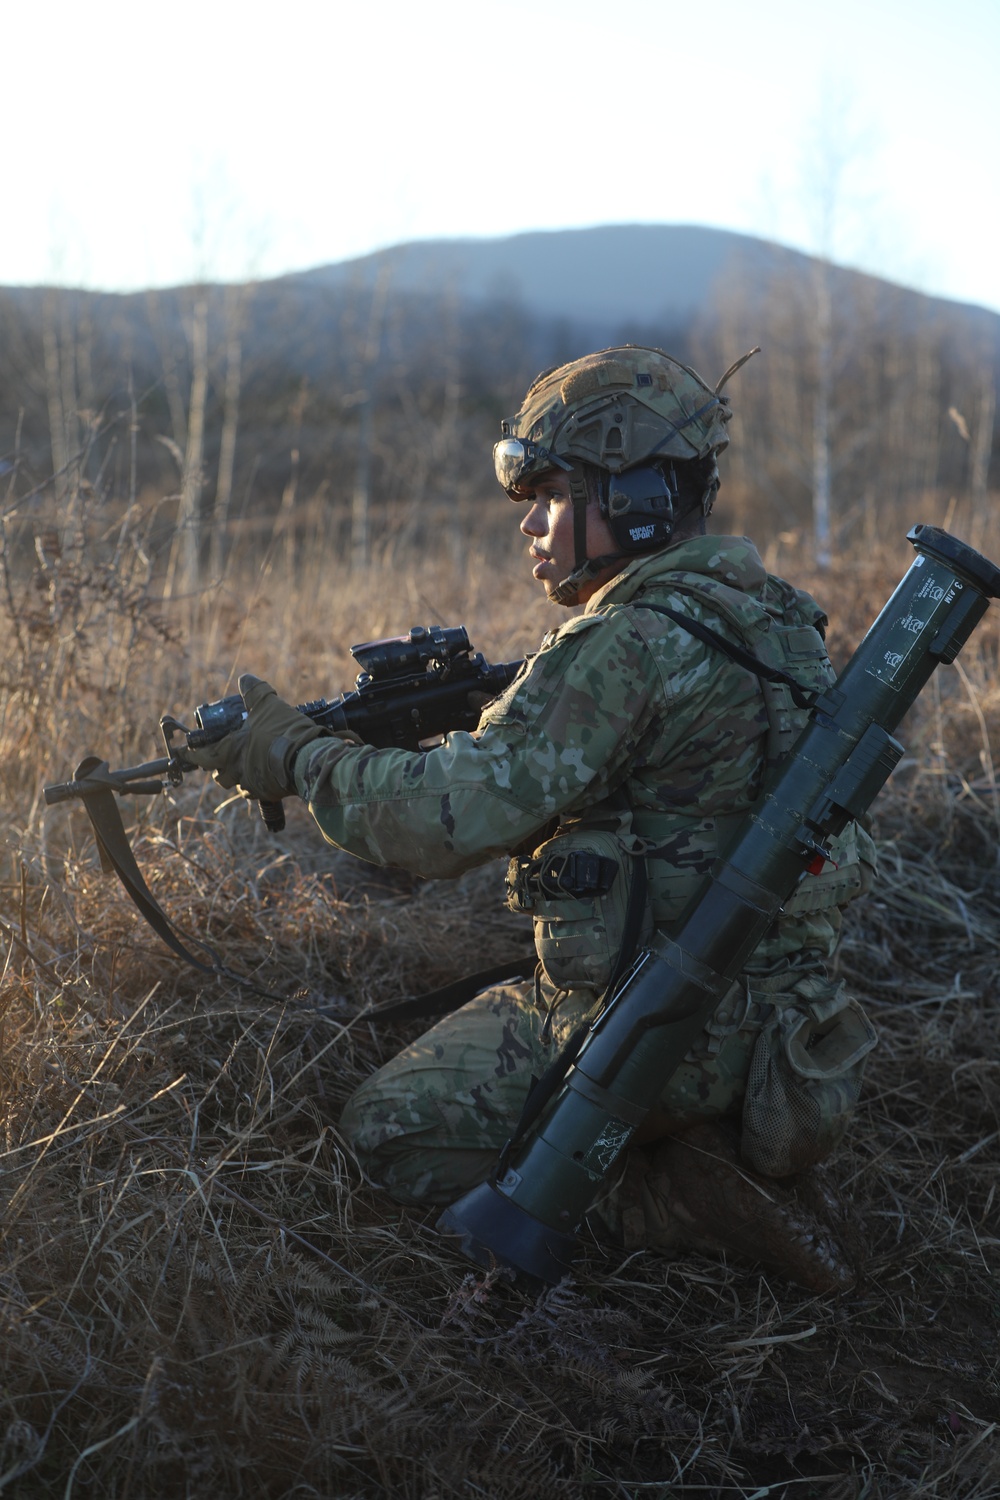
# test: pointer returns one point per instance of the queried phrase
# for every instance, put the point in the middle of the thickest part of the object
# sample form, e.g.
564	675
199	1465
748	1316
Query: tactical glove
260	756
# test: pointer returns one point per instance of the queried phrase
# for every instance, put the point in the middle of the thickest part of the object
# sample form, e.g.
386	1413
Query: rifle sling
450	997
117	857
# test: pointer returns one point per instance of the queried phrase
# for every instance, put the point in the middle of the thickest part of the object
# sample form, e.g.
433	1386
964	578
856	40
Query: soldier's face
549	526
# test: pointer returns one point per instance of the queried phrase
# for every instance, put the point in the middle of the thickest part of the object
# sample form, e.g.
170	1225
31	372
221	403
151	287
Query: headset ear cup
638	505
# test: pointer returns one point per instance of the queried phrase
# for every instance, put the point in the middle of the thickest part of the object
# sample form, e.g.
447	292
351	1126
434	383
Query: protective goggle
518	462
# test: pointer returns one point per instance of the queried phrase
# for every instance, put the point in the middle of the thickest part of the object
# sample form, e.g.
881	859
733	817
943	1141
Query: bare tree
834	147
979	400
186	554
235	303
157	309
982	440
369	355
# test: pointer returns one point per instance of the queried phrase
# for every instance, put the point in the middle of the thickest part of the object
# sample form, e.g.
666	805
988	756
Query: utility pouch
805	1078
577	888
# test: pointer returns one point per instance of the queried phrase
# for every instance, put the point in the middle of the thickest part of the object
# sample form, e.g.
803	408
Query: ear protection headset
638	505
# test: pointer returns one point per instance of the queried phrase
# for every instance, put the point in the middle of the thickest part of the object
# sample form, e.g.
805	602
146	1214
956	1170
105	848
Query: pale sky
149	144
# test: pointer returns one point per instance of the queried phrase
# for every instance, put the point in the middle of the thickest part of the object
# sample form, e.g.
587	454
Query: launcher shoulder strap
736	653
450	997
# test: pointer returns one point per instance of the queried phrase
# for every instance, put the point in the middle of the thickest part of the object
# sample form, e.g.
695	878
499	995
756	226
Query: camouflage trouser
429	1125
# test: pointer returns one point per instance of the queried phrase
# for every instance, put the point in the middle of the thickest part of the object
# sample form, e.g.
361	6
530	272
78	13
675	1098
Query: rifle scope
528	1218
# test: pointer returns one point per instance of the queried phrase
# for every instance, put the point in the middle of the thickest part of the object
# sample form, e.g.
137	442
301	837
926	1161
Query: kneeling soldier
610	772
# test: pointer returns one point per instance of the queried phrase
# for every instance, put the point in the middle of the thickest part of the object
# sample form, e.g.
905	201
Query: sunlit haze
151	145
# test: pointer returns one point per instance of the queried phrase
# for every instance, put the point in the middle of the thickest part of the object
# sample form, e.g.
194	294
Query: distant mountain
410	356
609	276
614	273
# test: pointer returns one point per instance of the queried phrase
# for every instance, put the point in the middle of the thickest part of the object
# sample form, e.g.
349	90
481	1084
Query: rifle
411	689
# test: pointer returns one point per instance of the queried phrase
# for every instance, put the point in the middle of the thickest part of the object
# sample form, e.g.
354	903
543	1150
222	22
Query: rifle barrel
133	780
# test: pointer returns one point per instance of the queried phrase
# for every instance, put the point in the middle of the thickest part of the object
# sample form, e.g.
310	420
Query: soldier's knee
389	1136
374	1130
416	1160
355	1124
378	1144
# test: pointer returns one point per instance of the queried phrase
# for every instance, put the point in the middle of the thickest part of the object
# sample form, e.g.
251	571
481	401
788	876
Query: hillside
612	274
369	384
608	276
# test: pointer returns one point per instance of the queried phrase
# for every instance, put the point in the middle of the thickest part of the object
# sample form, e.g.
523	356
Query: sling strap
729	648
450	997
117	857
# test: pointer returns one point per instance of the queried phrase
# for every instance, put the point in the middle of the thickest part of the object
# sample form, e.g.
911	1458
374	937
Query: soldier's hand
260	757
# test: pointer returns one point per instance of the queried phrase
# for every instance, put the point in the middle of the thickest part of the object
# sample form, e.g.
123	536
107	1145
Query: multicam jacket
623	719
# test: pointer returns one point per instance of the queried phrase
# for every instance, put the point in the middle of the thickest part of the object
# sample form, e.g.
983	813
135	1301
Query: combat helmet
630	414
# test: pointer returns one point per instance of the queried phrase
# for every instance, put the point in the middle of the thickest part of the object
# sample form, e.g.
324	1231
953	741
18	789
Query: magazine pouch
582	893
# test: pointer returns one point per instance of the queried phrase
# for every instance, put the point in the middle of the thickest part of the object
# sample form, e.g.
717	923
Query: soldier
610	772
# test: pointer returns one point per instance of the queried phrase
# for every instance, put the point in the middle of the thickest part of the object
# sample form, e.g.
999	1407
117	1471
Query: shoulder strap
450	997
745	659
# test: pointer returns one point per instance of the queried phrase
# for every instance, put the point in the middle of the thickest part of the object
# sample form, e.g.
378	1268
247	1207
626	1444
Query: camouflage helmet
631	414
621	407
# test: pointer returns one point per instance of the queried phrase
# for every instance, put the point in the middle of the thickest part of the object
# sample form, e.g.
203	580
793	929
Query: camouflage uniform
645	744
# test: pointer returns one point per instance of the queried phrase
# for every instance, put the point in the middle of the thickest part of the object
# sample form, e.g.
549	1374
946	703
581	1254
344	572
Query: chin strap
580	498
567	591
585	567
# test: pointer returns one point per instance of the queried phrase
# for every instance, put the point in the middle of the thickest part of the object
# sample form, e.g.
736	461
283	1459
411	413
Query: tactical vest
580	928
783	630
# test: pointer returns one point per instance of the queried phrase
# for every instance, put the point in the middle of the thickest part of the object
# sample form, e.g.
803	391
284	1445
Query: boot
696	1194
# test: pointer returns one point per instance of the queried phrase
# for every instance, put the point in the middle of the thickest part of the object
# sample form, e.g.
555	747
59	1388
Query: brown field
199	1296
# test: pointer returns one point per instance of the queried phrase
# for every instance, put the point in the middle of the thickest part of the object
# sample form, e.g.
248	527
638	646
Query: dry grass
200	1298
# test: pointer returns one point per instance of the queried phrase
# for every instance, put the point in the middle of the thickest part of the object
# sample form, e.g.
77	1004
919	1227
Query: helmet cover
621	407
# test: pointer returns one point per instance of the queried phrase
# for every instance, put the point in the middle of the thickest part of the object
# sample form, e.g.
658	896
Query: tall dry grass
198	1295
